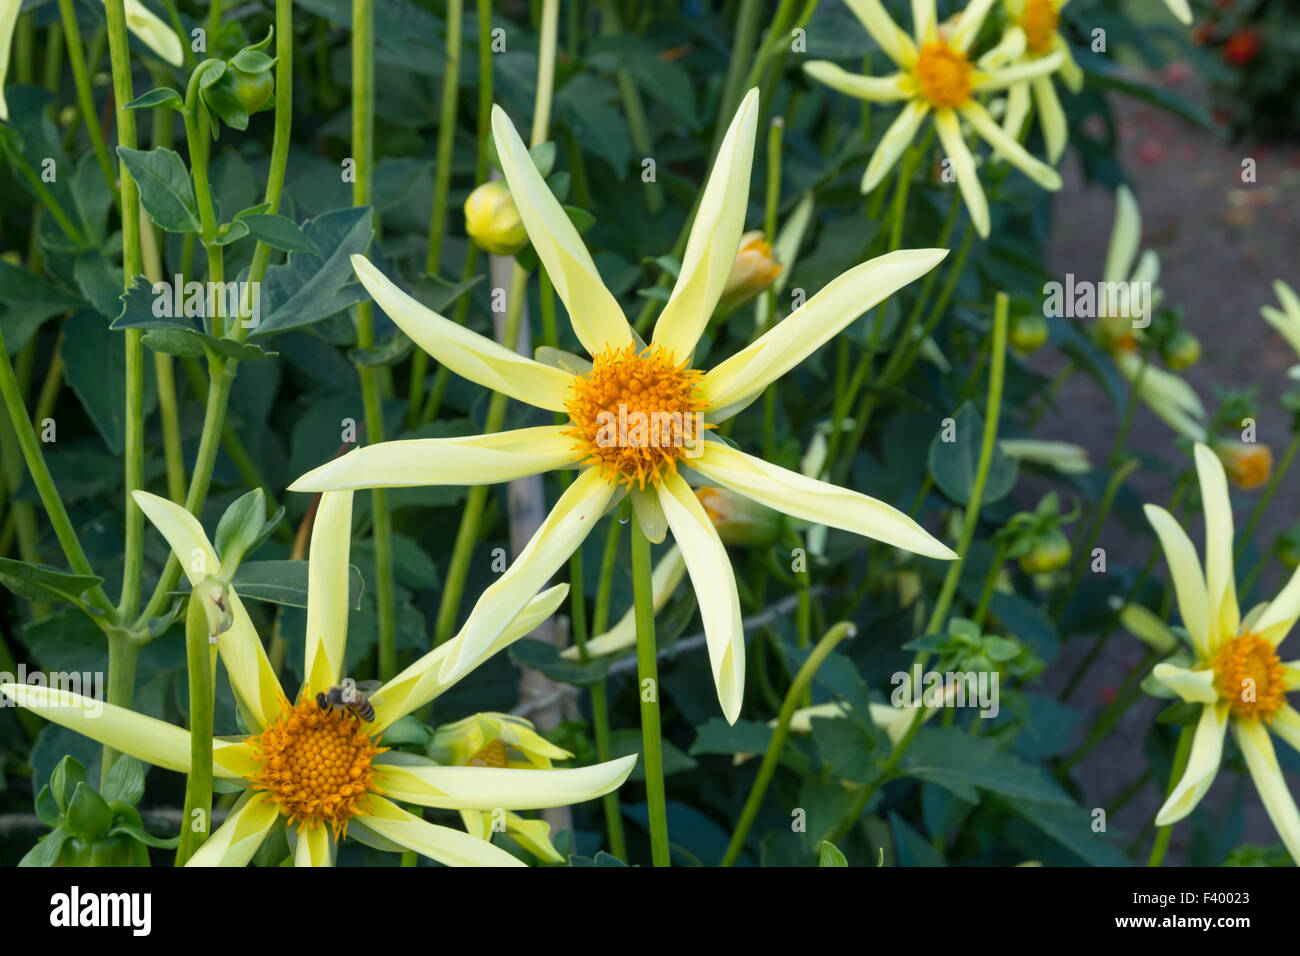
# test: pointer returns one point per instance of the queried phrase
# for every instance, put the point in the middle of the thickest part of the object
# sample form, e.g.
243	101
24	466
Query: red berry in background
1241	47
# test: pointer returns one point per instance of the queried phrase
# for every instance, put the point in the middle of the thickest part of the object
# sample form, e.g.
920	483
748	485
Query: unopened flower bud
492	220
1181	350
753	271
1248	464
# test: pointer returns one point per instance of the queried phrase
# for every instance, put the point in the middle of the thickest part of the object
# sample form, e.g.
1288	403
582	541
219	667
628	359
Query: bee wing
367	686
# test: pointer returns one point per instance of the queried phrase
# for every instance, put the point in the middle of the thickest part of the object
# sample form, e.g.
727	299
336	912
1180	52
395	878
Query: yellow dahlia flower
500	740
324	771
156	34
1172	399
654	389
1237	675
1032	35
937	77
1286	319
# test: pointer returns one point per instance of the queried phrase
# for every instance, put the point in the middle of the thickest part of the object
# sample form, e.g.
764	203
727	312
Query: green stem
1181	756
742	51
990	581
1083	554
123	653
200	656
30	446
799	689
992	413
648	691
599	692
85	98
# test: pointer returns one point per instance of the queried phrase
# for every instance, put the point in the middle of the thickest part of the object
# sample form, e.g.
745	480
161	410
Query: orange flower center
943	75
635	414
493	755
1039	21
317	765
1249	675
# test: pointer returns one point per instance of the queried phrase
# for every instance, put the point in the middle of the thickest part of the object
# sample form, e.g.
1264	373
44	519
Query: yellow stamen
635	414
1249	675
943	74
317	765
493	755
1039	21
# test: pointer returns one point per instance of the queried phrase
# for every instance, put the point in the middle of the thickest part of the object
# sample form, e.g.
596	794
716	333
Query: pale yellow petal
816	501
241	649
1202	765
154	741
664	579
315	848
474	460
1286	724
742	377
1185	570
1051	115
969	22
593	310
327	592
714	238
9	10
1183	12
534	836
1255	746
1221	587
240	835
898	46
963	168
989	81
1281	614
1017	155
1017	110
899	136
562	533
156	34
494	788
924	20
447	846
1125	235
466	353
715	590
874	89
1193	686
420	682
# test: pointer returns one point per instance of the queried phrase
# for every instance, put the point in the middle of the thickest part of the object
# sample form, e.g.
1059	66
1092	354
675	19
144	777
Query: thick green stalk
441	185
85	98
133	549
798	691
648	692
123	653
992	413
201	662
599	692
30	446
363	150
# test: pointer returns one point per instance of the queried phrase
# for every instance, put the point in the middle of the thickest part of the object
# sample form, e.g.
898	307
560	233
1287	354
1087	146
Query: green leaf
309	287
162	96
165	188
955	760
141	835
47	849
279	232
95	364
229	232
828	854
28	301
847	747
37	582
67	776
545	658
1071	826
88	814
622	743
954	463
742	737
240	526
125	783
188	343
285	583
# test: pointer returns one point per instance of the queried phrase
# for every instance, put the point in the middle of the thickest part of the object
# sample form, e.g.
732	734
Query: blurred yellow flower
755	268
938	78
1249	464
